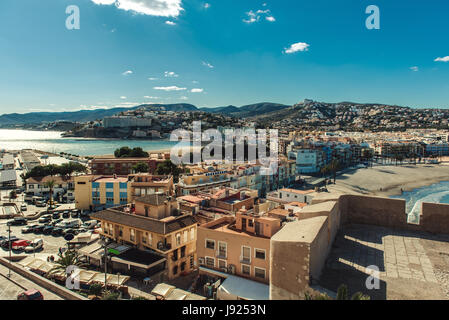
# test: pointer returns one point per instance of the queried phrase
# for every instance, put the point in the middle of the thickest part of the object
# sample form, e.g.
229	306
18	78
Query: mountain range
91	115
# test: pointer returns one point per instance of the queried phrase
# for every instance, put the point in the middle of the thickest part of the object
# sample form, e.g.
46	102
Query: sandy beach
389	180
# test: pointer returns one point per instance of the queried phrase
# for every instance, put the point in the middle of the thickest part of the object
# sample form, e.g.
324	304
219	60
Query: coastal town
141	227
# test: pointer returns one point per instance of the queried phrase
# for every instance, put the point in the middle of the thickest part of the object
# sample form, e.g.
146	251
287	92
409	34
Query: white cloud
197	90
207	64
299	46
127	73
170	88
183	98
414	68
123	97
254	16
170	23
443	59
150	97
170	74
195	82
153	79
161	8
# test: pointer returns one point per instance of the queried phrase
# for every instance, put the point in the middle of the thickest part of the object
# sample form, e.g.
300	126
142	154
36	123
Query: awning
162	289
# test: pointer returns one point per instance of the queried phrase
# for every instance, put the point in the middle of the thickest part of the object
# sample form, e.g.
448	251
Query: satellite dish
69	236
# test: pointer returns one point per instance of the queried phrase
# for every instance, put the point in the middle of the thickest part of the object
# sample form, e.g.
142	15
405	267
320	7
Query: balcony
221	254
246	260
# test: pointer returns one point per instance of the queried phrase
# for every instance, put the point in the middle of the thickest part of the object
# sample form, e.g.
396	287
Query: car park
35	245
29	228
17	222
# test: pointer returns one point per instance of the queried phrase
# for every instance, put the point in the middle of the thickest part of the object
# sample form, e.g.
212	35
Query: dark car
45	218
72	231
30	228
66	214
31	294
48	230
39	228
56	215
55	222
57	231
17	222
5	243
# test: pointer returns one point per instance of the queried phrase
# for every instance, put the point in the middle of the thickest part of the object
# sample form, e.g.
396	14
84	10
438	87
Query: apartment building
238	245
37	186
154	227
7	162
287	195
122	166
202	180
98	192
143	184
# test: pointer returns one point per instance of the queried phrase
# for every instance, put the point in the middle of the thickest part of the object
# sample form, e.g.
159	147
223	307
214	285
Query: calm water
435	193
52	142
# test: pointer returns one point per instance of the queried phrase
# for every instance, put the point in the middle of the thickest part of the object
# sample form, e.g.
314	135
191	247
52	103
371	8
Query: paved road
10	289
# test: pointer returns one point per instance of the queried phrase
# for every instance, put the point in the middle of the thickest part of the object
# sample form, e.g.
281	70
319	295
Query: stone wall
435	218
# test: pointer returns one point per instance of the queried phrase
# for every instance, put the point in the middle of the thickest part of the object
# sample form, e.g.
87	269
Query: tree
168	168
334	166
126	152
141	167
50	184
109	295
96	289
12	195
68	258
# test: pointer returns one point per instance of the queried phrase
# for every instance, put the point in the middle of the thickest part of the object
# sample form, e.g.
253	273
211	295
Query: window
259	254
175	270
246	270
186	236
183	266
120	232
210	244
222	264
191	261
246	255
144	237
132	235
183	252
178	239
210	262
192	234
222	249
150	239
250	223
259	273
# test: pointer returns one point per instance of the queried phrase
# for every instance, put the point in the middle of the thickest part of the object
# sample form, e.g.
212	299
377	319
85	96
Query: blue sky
220	52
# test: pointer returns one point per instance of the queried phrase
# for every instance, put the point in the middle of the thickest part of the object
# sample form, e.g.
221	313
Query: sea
435	193
51	141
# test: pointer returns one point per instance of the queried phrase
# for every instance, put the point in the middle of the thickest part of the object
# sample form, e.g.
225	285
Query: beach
388	181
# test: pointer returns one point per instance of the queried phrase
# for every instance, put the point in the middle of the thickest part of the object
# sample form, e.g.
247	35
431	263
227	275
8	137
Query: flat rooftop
412	265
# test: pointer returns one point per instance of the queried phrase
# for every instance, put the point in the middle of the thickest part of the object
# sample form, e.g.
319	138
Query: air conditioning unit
201	261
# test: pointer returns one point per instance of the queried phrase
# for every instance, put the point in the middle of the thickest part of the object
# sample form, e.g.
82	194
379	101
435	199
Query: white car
35	245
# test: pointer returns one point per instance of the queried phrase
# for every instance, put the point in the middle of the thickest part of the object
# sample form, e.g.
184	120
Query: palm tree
68	258
50	184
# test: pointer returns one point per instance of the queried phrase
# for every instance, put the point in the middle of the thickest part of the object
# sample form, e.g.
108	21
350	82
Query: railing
221	254
246	260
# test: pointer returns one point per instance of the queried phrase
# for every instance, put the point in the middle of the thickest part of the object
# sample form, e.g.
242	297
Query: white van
69	224
90	224
35	245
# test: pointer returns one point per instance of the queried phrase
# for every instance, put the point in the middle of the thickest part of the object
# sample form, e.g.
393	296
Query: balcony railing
246	260
220	254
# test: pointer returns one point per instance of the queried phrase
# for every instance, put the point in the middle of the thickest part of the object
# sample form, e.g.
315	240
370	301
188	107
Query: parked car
48	229
31	294
44	219
72	231
23	207
57	231
35	245
75	213
69	224
18	191
40	204
56	215
17	222
29	229
19	245
91	224
66	214
5	243
39	228
55	222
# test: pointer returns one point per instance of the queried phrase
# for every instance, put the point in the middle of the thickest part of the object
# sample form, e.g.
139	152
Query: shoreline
387	181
